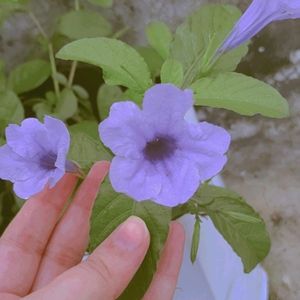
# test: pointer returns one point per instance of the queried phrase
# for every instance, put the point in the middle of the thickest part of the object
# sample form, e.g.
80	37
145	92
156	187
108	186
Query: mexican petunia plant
161	162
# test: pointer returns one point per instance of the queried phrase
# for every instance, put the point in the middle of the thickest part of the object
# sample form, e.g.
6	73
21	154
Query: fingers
164	282
23	242
107	271
70	237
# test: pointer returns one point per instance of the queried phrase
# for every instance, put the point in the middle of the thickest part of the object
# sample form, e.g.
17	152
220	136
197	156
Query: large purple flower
159	156
35	155
259	14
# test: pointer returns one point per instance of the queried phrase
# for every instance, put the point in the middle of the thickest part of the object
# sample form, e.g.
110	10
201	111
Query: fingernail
131	234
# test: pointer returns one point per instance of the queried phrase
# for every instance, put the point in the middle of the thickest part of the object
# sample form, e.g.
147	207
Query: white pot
217	273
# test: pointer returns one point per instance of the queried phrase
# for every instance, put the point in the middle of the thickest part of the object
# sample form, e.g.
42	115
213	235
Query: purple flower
35	155
259	14
160	156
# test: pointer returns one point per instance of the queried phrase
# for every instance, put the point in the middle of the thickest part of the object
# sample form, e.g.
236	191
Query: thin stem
53	70
77	5
120	33
50	52
72	73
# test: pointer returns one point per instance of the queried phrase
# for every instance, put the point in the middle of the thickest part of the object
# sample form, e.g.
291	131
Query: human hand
42	248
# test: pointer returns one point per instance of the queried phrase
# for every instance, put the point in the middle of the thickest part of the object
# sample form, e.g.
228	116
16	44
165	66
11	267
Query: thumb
108	270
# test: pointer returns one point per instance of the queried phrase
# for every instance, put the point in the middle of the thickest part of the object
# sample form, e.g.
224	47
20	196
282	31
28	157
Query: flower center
160	148
47	161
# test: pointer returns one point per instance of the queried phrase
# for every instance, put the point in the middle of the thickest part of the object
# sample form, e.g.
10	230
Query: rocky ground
264	161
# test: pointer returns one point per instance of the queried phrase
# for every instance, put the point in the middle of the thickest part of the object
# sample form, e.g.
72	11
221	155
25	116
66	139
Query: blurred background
264	163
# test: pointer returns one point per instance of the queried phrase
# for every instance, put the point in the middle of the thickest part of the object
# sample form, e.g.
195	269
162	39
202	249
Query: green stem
72	73
120	33
50	52
77	5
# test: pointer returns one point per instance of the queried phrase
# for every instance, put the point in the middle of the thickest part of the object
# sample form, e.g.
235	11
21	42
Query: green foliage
238	223
242	94
172	72
107	95
104	3
11	109
85	148
28	76
67	105
159	37
111	209
83	24
198	38
121	64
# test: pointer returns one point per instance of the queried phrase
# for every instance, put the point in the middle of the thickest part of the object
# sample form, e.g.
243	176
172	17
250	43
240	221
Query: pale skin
42	248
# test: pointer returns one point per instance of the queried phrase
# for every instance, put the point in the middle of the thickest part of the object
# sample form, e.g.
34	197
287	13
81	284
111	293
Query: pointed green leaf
111	209
238	223
241	94
172	72
195	240
159	37
122	65
83	24
28	76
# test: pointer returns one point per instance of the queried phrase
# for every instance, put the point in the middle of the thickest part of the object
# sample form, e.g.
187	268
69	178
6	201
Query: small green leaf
152	58
172	72
61	78
28	76
107	95
81	92
122	65
83	24
90	128
238	223
195	240
67	105
42	109
111	209
85	149
159	37
198	38
11	110
104	3
241	94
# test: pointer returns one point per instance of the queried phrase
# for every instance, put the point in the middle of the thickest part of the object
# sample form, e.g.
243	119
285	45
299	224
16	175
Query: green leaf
89	128
159	37
41	109
111	209
152	58
85	149
104	3
195	240
81	92
83	24
11	110
172	72
28	76
241	94
238	223
67	105
198	38
122	65
107	95
62	79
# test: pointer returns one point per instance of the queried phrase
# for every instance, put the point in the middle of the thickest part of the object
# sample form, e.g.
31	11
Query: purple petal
206	145
27	140
165	105
180	181
125	131
13	167
30	187
59	139
258	15
136	178
55	176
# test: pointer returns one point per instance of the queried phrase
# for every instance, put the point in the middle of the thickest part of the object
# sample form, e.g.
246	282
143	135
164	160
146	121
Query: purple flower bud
259	14
35	155
160	156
